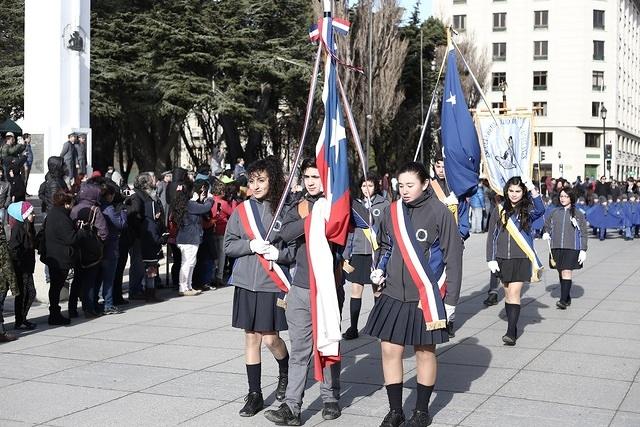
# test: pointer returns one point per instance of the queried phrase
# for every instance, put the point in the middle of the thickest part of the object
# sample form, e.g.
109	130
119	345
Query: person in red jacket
224	203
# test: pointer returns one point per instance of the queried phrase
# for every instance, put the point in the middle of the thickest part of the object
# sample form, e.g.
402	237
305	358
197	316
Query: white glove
527	183
195	196
272	253
259	246
451	199
493	266
451	312
574	221
377	276
582	257
546	236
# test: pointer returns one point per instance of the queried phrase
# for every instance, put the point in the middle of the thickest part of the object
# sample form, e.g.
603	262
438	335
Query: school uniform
396	316
255	296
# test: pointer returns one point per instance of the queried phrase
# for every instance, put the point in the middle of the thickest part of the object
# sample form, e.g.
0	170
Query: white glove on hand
527	183
582	257
493	266
451	199
272	253
377	276
195	196
546	236
451	312
259	246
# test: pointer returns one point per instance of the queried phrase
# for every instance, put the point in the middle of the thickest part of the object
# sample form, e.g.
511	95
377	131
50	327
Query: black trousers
57	276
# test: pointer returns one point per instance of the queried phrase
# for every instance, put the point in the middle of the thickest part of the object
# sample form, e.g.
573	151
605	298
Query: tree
11	59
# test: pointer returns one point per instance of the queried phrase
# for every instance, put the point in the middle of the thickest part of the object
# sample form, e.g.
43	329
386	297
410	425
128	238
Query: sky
425	8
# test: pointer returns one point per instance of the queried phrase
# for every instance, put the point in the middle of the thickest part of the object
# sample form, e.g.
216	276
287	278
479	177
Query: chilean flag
330	218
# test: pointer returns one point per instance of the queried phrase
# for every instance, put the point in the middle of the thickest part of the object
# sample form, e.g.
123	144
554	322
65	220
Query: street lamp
603	115
503	88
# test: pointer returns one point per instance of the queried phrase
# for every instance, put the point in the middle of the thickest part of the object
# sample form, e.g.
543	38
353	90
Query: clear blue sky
425	8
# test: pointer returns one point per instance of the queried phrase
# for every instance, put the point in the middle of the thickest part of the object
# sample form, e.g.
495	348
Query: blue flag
459	137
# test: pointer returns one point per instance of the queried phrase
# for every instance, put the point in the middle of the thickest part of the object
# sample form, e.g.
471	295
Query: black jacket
60	238
151	228
22	247
178	176
53	182
429	215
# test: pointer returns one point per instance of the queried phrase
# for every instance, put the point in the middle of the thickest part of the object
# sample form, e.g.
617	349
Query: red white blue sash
430	284
253	228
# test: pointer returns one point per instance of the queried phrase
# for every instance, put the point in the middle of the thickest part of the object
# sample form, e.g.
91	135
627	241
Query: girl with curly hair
510	253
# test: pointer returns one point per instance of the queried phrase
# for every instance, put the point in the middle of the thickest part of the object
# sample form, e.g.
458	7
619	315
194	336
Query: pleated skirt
566	259
401	323
257	311
362	270
514	270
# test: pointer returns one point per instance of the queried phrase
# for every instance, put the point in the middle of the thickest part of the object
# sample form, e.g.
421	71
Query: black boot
254	404
55	318
513	313
281	390
283	416
331	411
492	299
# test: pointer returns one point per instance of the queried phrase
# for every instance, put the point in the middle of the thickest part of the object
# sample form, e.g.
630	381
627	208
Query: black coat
60	238
22	247
53	182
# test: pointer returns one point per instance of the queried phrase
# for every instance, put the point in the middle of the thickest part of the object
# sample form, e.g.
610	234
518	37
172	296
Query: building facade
565	60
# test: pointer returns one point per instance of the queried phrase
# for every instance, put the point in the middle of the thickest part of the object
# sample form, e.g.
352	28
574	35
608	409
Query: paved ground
180	362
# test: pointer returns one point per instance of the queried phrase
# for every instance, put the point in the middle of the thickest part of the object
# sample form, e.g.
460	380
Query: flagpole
426	119
305	129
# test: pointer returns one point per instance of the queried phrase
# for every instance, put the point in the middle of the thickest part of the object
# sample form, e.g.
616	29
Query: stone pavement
180	362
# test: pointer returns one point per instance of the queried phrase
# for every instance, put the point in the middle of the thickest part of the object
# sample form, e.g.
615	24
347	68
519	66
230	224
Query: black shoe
331	411
281	390
25	324
419	419
90	314
350	334
507	340
450	330
394	418
283	416
58	320
254	404
562	305
492	299
112	310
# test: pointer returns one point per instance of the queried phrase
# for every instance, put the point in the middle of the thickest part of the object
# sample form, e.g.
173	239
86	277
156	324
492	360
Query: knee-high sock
283	366
513	313
565	290
355	304
394	393
424	394
254	374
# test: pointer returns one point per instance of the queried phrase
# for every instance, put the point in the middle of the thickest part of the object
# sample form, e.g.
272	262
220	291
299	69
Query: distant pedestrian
7	282
69	156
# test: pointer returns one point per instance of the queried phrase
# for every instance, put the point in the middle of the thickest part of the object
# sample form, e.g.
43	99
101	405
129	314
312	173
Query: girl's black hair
572	198
520	209
273	169
181	201
231	191
417	168
372	177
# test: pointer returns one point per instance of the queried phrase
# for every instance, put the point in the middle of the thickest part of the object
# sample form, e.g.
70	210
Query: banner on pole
507	147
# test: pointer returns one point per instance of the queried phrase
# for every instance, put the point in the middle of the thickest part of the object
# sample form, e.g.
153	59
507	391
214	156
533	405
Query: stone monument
57	48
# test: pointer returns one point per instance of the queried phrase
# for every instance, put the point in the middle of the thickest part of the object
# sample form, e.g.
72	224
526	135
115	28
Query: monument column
56	78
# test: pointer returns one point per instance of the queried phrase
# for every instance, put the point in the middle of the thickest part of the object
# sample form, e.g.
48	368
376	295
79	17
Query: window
598	19
597	81
497	105
540	49
459	1
539	80
500	21
541	19
496	79
595	108
592	140
540	108
544	139
460	22
499	51
598	50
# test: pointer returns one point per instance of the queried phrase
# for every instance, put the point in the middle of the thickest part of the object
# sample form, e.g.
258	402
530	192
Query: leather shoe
492	299
25	324
350	334
419	419
254	404
331	411
283	416
394	418
281	390
507	340
7	337
562	305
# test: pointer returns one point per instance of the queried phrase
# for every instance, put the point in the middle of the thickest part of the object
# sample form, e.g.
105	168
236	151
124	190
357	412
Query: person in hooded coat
53	182
22	251
85	280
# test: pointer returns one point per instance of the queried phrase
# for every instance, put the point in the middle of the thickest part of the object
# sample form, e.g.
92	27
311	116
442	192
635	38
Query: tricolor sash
430	284
325	312
524	241
253	227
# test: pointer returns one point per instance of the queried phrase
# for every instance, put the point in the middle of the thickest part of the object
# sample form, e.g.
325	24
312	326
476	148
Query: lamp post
503	88
603	115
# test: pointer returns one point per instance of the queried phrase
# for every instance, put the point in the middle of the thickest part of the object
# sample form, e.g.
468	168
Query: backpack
41	243
90	246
